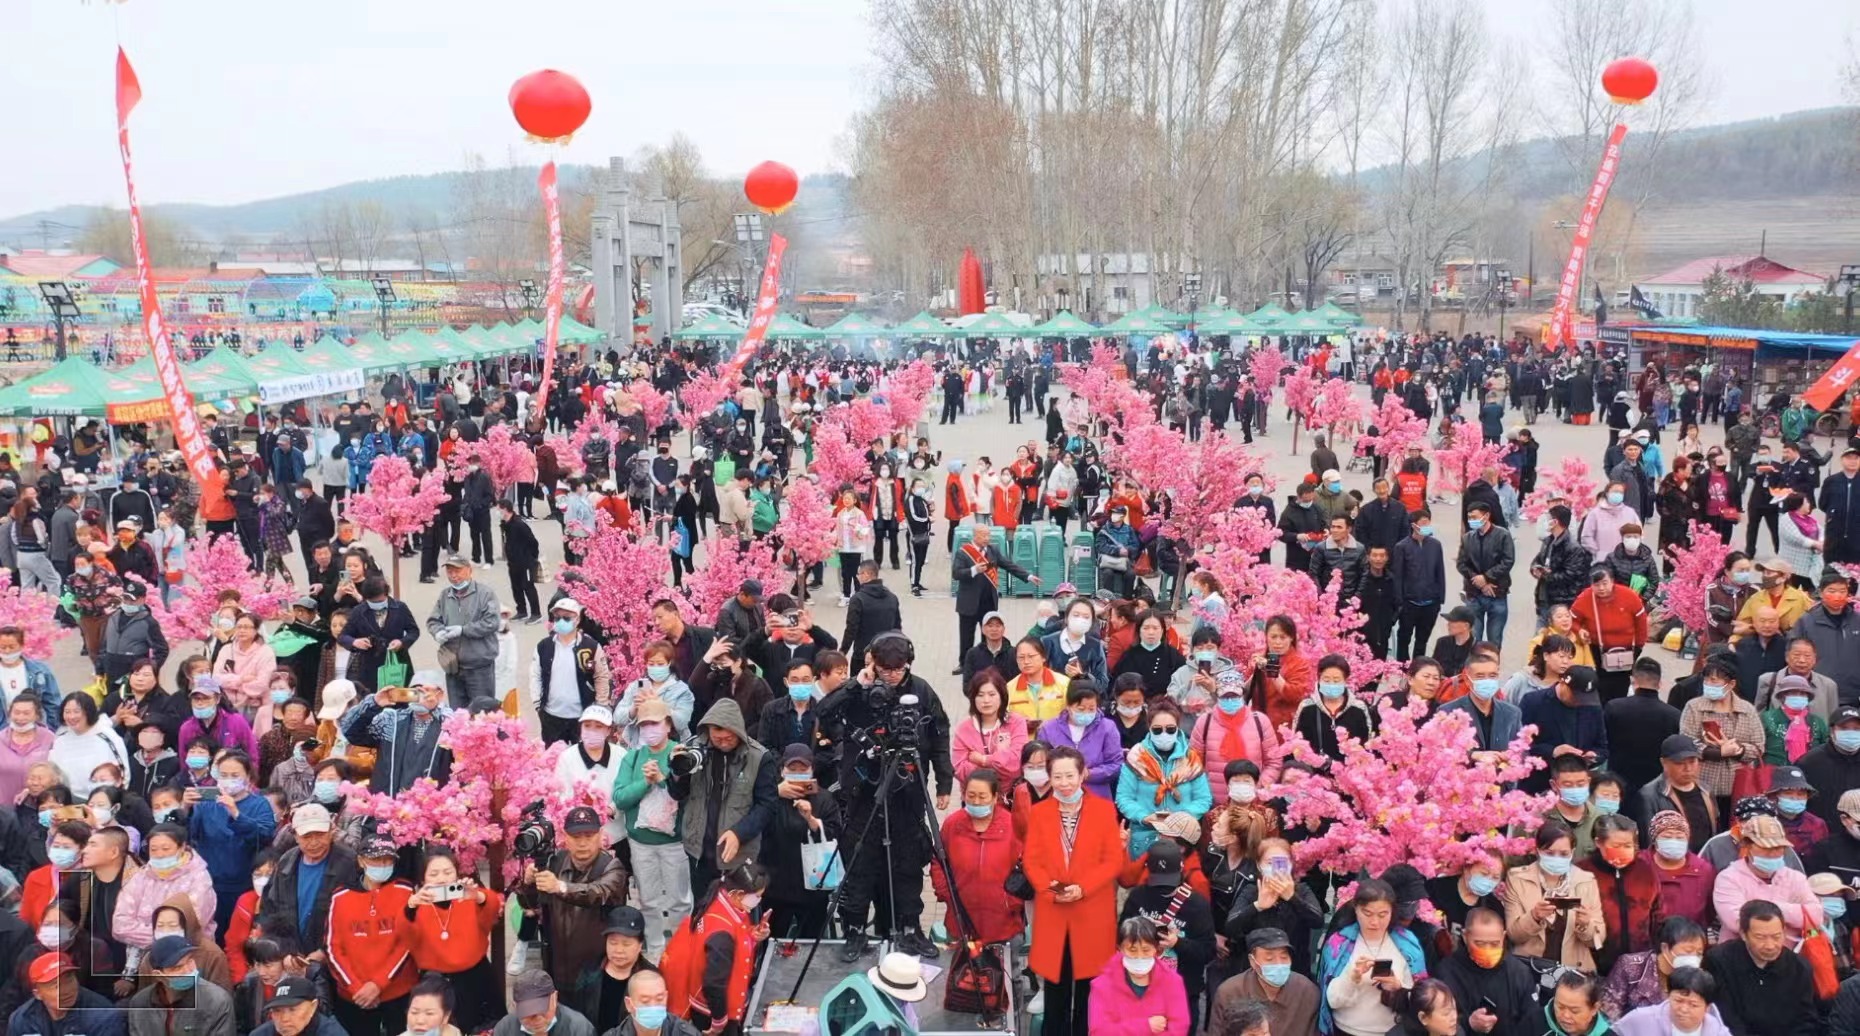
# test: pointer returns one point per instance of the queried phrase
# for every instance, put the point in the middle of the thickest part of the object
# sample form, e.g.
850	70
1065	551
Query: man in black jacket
379	629
1382	522
1638	724
476	495
977	571
1561	566
1420	584
522	555
1764	988
315	523
1497	988
1376	599
1485	562
1301	527
316	846
1339	554
242	490
873	610
790	634
1483	490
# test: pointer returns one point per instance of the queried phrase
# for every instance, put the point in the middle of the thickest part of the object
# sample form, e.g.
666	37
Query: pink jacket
1788	889
134	920
1116	1011
1002	748
1256	736
245	676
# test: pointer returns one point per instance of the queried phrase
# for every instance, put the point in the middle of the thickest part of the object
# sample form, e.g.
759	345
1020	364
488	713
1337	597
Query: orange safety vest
683	962
1411	486
956	499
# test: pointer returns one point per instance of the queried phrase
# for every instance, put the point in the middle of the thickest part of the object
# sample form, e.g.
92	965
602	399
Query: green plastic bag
393	673
287	642
726	470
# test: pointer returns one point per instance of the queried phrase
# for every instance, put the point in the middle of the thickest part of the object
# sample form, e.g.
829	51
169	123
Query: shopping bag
977	982
681	540
821	863
1751	780
658	811
393	673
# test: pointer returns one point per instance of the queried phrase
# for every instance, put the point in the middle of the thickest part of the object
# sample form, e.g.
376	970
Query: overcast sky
249	99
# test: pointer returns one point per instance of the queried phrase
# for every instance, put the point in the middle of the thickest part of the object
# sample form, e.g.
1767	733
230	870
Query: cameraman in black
570	895
861	720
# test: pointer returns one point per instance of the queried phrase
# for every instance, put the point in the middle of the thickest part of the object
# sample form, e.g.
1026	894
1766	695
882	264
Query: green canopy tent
1269	314
530	328
1307	323
1134	323
1338	315
73	388
499	340
325	356
1163	315
923	325
710	325
990	325
574	332
1233	324
1211	314
785	326
856	325
276	360
221	368
1063	325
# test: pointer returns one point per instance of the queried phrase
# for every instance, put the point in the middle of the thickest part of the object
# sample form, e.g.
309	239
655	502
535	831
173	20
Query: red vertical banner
766	299
1569	289
552	305
188	434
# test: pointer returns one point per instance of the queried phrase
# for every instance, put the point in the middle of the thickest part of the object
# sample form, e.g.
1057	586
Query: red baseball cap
48	967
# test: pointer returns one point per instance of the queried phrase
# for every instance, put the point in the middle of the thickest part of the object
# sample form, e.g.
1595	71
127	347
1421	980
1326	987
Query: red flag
128	89
1563	314
1839	378
766	300
552	303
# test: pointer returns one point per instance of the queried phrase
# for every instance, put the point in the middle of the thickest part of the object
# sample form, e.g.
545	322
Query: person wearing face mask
1155	661
647	1010
1420	585
173	869
1169	900
1284	1002
1497	989
1475	886
1553	908
404	734
1643	978
1778	592
1075	648
1792	727
176	992
1301	527
1726	726
591	761
660	683
567	674
1115	549
1333	710
1633	563
380	630
711	959
1233	733
370	944
1161	776
229	831
653	832
1569	781
1760	873
982	849
1093	734
1628	887
464	624
1072	862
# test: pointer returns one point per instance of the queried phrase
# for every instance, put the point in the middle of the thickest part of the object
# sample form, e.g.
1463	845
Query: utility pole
1848	280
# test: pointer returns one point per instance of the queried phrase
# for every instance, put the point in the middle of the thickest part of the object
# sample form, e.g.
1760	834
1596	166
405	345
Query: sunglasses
1162	730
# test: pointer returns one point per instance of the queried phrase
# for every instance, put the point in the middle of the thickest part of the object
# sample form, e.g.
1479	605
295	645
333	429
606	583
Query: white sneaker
844	601
1038	1004
519	953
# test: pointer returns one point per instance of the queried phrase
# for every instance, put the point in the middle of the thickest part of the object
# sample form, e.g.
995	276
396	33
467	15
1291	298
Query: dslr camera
535	839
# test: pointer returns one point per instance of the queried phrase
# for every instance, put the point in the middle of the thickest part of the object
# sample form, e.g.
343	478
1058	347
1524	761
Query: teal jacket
631	786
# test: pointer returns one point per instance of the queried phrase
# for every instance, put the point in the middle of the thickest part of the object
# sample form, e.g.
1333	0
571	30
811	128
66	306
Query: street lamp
1503	286
384	297
57	295
531	295
751	238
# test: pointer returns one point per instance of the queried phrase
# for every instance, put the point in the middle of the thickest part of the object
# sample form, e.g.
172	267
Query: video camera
535	840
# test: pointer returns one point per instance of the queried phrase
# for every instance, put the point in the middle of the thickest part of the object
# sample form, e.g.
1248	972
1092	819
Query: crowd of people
185	852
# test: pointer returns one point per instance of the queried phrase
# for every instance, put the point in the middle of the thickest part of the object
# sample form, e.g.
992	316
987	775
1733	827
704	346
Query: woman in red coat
982	848
1074	852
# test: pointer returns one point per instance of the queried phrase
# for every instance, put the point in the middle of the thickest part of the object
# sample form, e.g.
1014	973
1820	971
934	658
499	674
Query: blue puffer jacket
1137	795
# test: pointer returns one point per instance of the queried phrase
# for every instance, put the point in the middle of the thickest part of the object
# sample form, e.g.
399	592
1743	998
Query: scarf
1147	766
1796	738
1806	524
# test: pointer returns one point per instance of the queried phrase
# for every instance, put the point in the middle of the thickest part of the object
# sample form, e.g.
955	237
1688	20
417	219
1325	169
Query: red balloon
1629	80
771	187
549	105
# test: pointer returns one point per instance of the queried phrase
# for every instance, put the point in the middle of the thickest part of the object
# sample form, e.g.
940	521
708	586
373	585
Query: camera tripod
894	763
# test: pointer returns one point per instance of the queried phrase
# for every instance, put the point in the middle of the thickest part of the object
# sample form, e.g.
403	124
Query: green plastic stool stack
1026	555
1079	563
1052	570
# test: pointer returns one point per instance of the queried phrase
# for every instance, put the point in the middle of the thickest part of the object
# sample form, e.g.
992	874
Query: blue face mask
45	819
1332	691
1714	691
1336	486
797	776
563	626
1766	864
649	1016
377	606
658	673
61	857
165	863
1792	807
280	696
1275	975
1834	906
1163	742
204	713
179	983
1671	848
1081	720
380	873
1608	807
800	691
1614	498
1482	884
1230	704
1475	524
1795	702
327	791
1206	654
1070	800
1555	866
1847	740
165	814
1427	530
1485	690
979	812
1574	796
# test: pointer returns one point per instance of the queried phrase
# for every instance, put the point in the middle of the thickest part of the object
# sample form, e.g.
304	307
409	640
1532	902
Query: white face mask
1078	625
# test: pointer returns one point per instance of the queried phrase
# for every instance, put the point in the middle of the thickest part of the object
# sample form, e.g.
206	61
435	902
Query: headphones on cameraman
910	649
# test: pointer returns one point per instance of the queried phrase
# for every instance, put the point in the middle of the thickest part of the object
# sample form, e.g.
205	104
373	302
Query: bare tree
106	232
